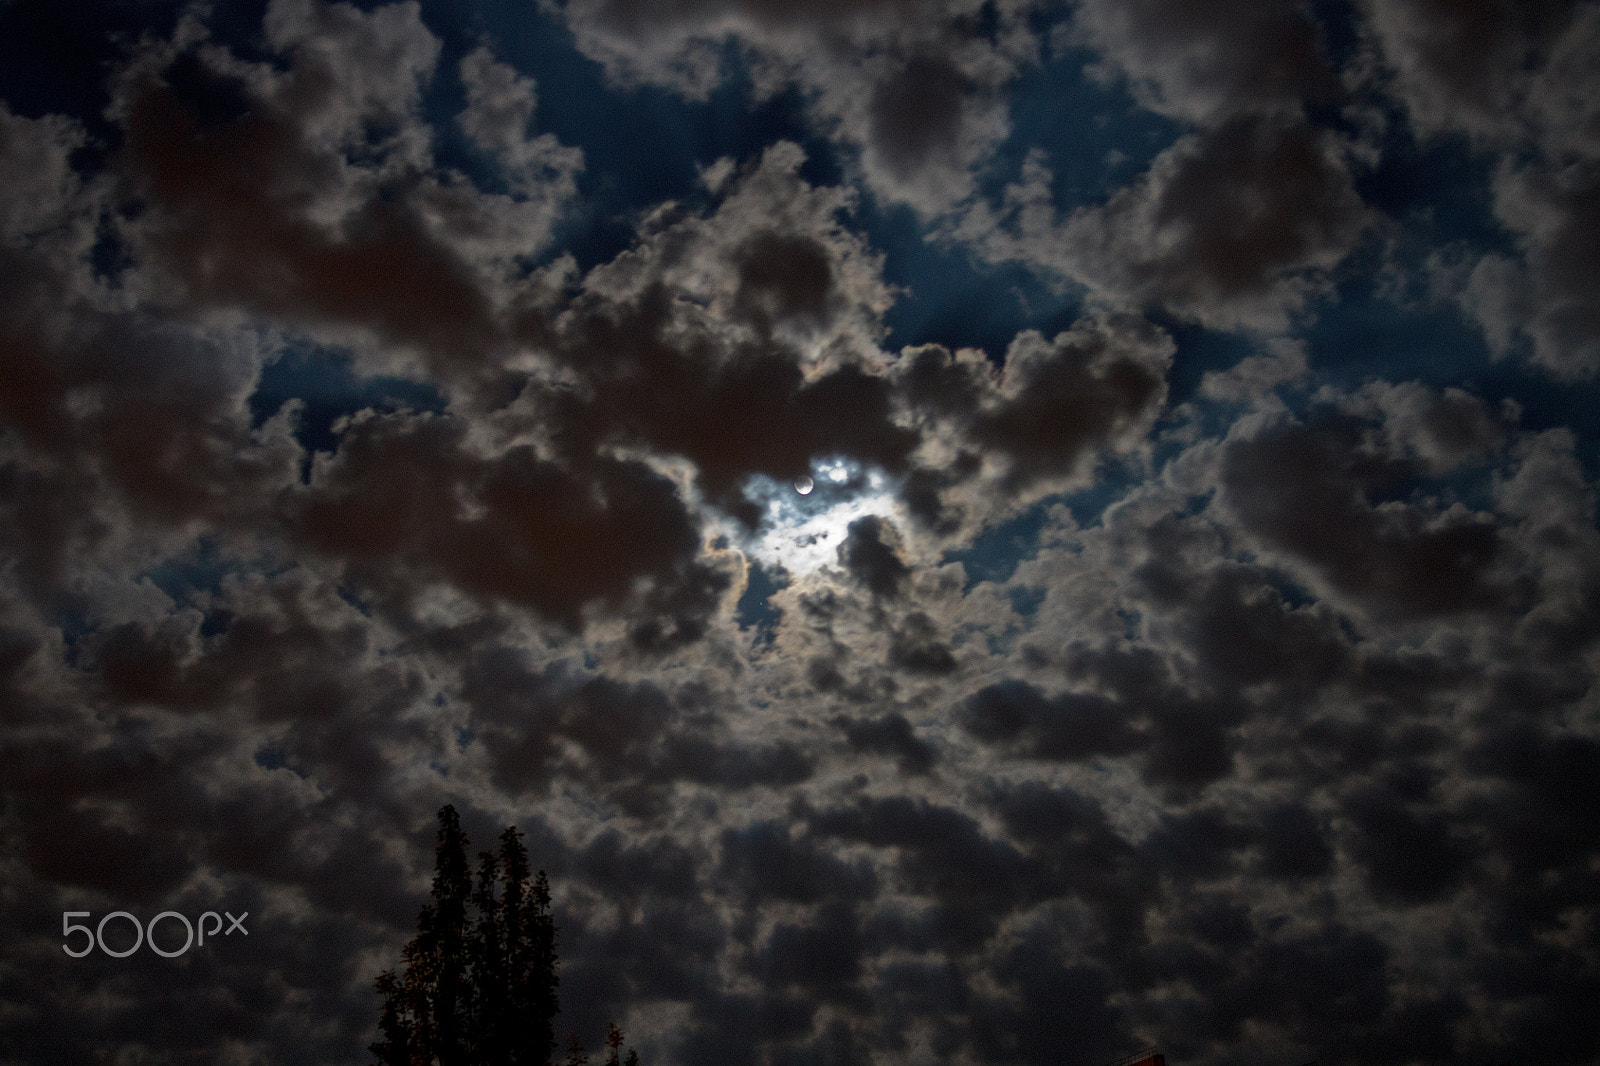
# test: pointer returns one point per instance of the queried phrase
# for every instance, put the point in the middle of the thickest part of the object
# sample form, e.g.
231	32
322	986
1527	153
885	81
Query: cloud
404	494
1066	727
1544	303
1527	91
1236	226
1054	409
1462	66
500	106
893	735
1288	488
871	560
1207	65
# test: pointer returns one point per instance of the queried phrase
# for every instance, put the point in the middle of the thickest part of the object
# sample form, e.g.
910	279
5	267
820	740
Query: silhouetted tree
394	1049
443	932
614	1048
479	983
489	975
425	1016
531	955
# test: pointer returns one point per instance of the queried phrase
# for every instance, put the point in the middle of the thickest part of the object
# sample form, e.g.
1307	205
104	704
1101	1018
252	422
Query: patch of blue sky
200	567
995	554
1364	335
642	145
1471	484
326	383
274	756
1295	595
1547	404
1340	26
754	609
54	56
1025	599
1200	351
946	297
1094	137
1440	187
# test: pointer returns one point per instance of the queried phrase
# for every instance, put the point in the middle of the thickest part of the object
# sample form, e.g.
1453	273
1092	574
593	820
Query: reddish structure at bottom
1147	1057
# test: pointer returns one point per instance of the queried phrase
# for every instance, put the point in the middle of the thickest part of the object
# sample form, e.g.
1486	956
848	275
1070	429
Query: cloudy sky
1188	638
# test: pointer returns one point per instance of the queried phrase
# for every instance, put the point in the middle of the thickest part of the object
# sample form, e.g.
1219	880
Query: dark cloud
1410	856
753	413
1018	715
916	112
406	492
973	878
1207	63
1235	225
1053	410
234	207
1083	857
1293	844
917	647
767	861
1461	65
784	277
1516	78
868	554
1054	1007
1548	297
890	735
1303	492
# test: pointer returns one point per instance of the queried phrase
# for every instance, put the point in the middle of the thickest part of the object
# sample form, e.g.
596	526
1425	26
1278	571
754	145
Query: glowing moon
803	485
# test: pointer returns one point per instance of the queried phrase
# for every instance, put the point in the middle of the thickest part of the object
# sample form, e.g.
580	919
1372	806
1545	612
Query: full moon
803	485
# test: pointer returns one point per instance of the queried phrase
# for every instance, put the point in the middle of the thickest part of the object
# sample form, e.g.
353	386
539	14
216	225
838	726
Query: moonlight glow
803	534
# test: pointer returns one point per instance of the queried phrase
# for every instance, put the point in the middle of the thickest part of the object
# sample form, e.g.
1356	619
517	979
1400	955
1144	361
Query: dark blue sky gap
327	385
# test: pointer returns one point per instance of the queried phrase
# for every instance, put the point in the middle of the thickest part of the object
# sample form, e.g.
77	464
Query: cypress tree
442	935
479	984
614	1040
529	935
537	980
491	1000
394	1049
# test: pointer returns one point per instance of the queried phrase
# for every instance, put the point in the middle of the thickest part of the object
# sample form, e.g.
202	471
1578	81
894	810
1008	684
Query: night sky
1188	637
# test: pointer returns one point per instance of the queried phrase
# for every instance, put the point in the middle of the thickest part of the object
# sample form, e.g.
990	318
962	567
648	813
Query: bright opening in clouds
804	527
976	532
